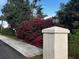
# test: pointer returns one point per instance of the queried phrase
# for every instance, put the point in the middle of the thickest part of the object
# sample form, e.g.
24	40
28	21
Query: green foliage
15	11
74	44
69	16
39	12
69	13
36	5
8	32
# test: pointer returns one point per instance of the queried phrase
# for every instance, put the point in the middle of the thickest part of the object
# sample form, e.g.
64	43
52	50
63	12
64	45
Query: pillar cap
56	29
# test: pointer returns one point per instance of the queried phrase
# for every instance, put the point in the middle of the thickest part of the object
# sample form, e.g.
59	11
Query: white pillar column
55	43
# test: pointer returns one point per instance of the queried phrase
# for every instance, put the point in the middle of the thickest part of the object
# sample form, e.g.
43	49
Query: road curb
24	48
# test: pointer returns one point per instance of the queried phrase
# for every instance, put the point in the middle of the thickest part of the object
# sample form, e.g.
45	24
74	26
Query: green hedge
7	31
74	44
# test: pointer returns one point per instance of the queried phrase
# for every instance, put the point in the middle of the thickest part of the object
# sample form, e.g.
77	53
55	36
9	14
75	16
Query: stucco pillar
55	43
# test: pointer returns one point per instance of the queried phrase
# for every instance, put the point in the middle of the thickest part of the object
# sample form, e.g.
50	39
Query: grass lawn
37	57
10	36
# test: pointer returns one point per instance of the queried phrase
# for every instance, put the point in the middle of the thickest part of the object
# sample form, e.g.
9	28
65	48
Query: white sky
5	24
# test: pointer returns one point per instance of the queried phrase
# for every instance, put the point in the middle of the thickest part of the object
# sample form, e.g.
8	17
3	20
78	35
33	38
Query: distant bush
31	32
7	31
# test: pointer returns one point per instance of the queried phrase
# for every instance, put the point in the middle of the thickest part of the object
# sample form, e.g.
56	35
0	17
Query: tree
36	5
39	12
69	14
15	11
1	19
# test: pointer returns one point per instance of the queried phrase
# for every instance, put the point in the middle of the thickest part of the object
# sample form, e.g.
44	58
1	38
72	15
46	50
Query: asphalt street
7	52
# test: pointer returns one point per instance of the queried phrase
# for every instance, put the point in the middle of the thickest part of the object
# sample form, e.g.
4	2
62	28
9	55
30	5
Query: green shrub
74	44
7	31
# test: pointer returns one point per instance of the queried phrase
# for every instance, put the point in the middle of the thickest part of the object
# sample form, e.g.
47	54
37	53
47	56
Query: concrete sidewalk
6	52
26	49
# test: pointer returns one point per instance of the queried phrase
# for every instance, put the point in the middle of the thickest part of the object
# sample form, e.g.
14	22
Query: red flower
31	32
37	44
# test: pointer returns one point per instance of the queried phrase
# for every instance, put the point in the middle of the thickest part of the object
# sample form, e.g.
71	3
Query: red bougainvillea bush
30	32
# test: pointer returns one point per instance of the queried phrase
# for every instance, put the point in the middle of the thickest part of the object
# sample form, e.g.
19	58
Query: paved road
6	52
